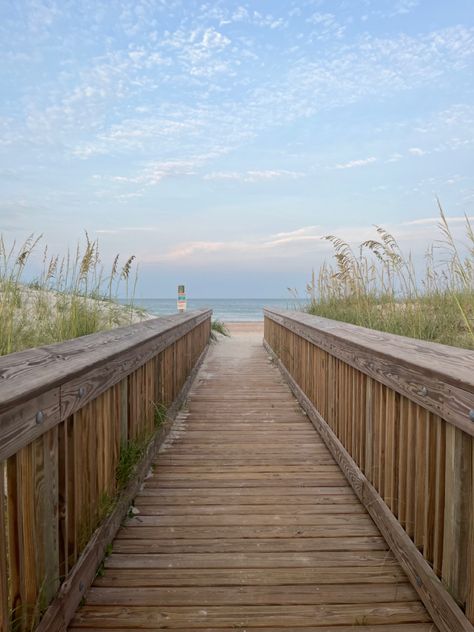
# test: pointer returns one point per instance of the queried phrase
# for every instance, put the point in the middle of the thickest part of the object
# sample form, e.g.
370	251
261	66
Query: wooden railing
398	415
75	417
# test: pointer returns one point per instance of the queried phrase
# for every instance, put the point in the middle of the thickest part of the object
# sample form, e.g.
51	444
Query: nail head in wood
471	414
39	417
81	392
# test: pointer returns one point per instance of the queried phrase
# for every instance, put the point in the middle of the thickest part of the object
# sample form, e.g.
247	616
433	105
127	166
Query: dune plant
66	297
378	286
218	327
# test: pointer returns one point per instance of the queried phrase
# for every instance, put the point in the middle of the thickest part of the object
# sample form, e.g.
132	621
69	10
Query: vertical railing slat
50	516
438	528
63	499
458	510
429	510
420	474
470	549
411	469
29	547
402	460
4	600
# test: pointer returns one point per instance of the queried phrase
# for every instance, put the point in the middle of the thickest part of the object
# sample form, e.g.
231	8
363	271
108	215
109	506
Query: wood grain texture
438	377
63	483
246	522
412	451
442	607
328	616
404	627
4	601
61	378
90	551
458	513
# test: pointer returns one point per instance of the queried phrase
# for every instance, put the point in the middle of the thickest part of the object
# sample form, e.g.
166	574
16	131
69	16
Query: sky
219	141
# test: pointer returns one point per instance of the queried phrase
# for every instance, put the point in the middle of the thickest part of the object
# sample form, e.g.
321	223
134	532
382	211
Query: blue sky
218	141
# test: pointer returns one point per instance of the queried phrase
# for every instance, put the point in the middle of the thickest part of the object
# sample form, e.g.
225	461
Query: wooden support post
49	583
4	601
470	551
369	421
63	517
124	411
457	513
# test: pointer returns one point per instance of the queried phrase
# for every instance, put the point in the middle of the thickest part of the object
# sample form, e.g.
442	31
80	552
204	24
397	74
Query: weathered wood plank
83	487
4	600
59	379
320	519
13	510
137	545
147	506
438	377
247	615
204	596
404	627
457	512
244	559
392	574
440	604
209	546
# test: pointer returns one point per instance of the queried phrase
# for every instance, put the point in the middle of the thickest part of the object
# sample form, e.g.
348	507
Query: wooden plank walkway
248	523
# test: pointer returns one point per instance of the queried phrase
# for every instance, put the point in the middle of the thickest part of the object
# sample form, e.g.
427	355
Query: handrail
396	414
438	377
40	387
80	423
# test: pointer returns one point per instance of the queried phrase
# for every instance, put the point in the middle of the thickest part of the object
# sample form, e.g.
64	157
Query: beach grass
378	286
218	327
46	298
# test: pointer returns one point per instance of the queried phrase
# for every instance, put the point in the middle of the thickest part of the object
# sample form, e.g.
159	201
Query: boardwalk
247	522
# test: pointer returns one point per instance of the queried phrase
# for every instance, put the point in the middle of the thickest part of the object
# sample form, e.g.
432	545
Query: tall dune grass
69	296
379	287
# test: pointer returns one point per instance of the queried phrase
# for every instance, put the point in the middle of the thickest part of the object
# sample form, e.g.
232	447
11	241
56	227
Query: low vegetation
45	298
378	287
218	327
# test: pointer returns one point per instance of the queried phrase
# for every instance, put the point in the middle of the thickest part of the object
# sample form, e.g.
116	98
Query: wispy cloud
263	175
126	230
284	243
416	151
302	244
326	26
453	219
395	157
156	171
363	162
402	7
306	234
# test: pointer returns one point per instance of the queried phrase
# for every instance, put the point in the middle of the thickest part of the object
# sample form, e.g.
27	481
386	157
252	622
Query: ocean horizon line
210	298
225	309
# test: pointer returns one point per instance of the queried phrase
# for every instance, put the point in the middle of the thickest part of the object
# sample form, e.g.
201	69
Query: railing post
457	512
124	411
470	596
4	613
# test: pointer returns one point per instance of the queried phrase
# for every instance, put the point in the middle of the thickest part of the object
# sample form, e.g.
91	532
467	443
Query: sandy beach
248	327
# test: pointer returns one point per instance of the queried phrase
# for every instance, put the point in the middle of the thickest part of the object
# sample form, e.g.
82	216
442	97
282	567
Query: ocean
226	309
